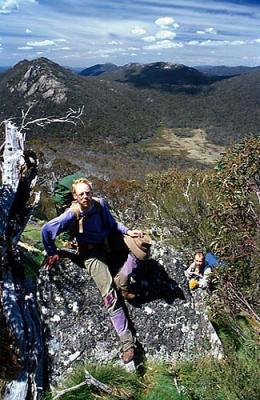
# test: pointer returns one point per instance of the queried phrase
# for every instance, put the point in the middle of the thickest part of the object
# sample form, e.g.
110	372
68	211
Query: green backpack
62	195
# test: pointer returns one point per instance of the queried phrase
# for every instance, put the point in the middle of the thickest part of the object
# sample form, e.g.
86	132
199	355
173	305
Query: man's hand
135	233
50	261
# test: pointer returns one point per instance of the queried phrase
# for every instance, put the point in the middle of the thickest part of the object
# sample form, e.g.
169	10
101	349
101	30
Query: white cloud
175	25
149	39
99	52
28	30
39	52
25	48
164	44
216	43
164	21
42	43
165	35
237	42
211	30
193	43
46	43
6	6
256	41
132	48
115	42
222	43
57	49
213	43
138	31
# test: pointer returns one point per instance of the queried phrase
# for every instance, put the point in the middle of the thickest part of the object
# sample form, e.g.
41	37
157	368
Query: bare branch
90	380
24	116
186	193
71	117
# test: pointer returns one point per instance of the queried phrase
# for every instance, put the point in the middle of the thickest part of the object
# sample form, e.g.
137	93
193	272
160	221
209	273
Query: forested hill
226	109
223	70
111	110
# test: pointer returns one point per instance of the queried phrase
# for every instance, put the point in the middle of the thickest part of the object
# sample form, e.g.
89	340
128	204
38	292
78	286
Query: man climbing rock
198	272
89	220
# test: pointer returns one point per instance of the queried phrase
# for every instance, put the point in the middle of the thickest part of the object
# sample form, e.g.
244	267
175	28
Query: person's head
199	259
82	192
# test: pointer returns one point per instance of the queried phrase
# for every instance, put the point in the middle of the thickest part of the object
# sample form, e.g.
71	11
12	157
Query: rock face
170	322
40	80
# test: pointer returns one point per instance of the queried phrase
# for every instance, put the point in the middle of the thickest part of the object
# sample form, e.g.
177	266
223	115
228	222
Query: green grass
32	235
235	377
160	384
125	384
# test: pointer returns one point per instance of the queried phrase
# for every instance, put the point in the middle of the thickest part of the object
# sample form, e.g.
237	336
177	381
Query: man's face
199	260
83	195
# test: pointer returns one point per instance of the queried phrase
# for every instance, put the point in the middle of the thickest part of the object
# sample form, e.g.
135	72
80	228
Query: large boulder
170	321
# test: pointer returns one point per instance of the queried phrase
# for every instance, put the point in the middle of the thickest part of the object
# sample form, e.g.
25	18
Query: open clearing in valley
189	143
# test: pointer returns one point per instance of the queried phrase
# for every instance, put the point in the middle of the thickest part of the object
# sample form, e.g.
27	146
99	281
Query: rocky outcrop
40	80
170	322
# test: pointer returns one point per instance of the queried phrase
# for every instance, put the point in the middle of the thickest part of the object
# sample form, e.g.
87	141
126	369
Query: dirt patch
194	146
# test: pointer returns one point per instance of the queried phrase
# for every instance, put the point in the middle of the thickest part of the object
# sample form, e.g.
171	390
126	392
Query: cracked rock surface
170	322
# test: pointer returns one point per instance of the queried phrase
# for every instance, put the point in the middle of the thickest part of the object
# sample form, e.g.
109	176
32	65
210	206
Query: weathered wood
13	156
13	160
19	304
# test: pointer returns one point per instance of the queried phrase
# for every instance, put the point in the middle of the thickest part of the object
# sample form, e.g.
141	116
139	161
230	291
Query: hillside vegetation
186	208
218	210
120	113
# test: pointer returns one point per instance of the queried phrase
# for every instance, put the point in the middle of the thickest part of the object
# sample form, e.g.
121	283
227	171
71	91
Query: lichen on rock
170	321
37	81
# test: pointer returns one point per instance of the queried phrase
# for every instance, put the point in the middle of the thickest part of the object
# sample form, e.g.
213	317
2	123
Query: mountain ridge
119	117
223	70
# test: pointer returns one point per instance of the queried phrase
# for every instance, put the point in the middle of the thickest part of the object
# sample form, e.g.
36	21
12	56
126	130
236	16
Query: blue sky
81	33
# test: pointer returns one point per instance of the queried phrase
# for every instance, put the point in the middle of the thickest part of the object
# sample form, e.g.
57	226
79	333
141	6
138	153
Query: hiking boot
128	355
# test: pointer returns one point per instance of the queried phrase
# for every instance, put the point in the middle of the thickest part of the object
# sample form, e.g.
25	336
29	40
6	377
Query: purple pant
97	268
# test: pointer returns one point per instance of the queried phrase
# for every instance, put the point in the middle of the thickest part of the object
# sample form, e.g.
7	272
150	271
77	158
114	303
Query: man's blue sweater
96	226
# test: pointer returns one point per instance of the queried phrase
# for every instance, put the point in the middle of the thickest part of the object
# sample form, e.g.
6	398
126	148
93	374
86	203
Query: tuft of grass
236	377
160	385
125	385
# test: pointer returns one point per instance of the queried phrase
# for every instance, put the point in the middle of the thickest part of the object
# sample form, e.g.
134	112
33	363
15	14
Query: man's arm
63	223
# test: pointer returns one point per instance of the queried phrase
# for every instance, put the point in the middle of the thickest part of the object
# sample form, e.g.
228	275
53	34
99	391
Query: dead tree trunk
19	305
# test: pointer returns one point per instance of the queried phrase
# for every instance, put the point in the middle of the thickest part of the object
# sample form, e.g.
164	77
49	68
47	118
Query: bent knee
110	300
